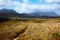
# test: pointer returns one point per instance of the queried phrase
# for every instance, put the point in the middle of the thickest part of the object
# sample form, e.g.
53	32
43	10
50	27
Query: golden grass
30	29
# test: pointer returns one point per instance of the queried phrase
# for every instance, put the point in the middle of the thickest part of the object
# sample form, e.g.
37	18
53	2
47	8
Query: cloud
5	3
33	7
58	12
21	8
52	1
27	8
25	1
2	2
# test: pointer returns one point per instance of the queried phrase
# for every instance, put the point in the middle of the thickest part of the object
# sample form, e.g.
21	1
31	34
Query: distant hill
45	14
9	13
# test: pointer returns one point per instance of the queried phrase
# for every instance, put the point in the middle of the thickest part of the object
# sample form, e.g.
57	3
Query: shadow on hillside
3	20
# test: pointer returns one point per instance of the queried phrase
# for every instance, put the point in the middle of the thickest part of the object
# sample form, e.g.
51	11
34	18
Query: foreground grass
30	29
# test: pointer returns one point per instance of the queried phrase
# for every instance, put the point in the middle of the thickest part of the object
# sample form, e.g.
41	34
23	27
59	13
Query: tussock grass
30	29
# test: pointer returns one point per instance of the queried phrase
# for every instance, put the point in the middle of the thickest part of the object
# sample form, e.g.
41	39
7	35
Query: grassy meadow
30	29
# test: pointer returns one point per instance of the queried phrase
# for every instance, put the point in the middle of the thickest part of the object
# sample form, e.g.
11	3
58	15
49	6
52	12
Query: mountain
8	13
45	14
11	14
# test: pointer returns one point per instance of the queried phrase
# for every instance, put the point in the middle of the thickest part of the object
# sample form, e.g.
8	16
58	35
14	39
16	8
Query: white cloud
5	2
49	7
25	1
32	7
21	8
58	12
26	7
2	2
52	1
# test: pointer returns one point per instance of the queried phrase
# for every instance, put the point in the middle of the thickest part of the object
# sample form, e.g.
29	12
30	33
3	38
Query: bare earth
34	29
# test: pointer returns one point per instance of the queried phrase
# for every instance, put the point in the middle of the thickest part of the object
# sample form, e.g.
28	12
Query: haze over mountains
9	13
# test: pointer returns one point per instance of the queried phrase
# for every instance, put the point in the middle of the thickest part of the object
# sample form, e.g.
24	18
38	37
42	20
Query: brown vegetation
30	29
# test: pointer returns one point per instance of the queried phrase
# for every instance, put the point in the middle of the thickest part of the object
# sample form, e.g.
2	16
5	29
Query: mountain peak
8	10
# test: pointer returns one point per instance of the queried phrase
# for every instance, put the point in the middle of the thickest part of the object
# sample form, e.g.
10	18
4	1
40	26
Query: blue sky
27	6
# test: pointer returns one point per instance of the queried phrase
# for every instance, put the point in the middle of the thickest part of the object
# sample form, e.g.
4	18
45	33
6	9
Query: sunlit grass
32	29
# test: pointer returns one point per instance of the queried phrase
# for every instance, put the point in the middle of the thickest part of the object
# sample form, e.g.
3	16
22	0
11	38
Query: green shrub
56	34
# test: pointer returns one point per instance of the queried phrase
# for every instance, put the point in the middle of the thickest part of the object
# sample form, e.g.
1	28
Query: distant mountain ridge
48	14
9	13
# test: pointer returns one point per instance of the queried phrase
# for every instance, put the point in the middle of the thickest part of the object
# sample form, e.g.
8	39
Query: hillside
12	14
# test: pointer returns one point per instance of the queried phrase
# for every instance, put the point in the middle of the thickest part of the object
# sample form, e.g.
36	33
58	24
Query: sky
28	6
